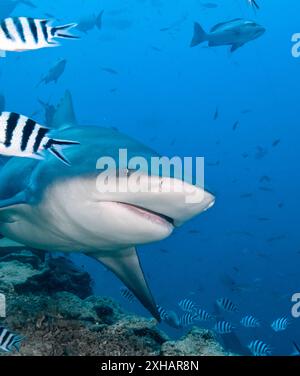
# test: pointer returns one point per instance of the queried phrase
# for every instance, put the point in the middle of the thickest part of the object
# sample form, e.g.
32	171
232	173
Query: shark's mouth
150	215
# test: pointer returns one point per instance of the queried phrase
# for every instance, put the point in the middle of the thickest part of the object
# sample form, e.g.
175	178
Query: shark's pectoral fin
8	243
235	46
126	265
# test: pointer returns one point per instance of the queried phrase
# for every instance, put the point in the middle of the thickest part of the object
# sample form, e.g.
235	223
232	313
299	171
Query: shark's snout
156	205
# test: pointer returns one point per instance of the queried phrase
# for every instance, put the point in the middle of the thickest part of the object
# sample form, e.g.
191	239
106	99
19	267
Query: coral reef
50	303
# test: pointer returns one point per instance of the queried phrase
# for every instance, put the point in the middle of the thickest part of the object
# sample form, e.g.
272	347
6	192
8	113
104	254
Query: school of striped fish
192	314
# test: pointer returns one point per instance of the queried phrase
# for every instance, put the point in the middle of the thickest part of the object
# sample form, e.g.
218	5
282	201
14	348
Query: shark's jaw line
151	215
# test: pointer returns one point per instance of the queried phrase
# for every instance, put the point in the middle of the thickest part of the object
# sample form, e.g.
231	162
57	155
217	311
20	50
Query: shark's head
134	215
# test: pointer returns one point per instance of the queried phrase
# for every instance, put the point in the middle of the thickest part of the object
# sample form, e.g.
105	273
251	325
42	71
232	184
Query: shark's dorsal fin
126	265
64	116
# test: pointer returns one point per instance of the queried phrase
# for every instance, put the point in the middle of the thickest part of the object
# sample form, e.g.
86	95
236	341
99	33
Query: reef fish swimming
23	137
9	341
234	33
38	199
24	34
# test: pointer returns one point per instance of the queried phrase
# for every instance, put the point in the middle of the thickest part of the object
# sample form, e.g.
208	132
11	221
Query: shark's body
47	205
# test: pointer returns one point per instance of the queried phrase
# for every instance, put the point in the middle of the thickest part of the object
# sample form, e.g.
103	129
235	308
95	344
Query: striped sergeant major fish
23	137
280	324
23	34
9	341
187	319
202	315
227	305
250	322
127	294
187	305
163	313
223	327
259	348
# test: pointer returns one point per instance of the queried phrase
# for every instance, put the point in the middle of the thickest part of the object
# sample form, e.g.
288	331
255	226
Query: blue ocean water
165	94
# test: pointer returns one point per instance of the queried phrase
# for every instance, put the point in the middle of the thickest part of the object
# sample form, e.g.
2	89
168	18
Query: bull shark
47	206
234	33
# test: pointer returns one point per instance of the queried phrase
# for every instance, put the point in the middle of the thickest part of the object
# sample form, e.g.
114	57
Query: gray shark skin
234	33
48	206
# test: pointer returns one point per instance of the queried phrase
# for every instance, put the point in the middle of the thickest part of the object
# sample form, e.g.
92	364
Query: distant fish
209	5
276	143
187	305
90	22
265	189
127	294
109	70
280	324
243	233
235	125
246	195
23	34
250	322
223	327
187	319
175	25
260	152
216	115
263	219
227	305
276	238
246	111
54	73
194	232
202	315
214	164
23	137
9	341
259	348
157	49
235	33
265	179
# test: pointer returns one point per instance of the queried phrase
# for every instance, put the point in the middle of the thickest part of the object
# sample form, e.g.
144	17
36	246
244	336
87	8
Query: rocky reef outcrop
50	302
